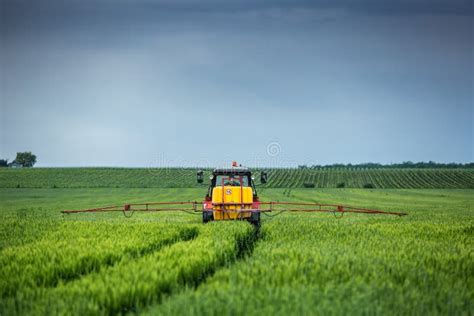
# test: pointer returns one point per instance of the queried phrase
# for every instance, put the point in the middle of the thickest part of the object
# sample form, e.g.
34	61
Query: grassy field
295	264
278	178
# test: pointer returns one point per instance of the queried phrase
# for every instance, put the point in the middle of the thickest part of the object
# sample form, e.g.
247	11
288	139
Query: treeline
405	164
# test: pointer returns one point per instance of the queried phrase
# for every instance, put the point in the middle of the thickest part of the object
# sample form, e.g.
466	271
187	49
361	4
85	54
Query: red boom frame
271	207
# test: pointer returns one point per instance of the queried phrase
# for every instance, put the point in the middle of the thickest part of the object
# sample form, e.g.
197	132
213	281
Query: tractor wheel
207	216
255	219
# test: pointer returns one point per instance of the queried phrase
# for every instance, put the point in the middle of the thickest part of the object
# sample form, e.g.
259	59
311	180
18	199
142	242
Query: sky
266	83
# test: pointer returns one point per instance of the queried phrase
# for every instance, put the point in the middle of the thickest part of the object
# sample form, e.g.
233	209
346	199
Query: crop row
304	264
376	178
76	249
278	178
133	281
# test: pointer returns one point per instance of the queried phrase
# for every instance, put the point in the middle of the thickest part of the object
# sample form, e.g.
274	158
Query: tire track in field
131	254
87	265
245	248
131	285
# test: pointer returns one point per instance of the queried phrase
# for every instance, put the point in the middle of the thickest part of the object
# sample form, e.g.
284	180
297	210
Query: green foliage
75	249
277	178
26	159
307	265
3	163
104	268
298	264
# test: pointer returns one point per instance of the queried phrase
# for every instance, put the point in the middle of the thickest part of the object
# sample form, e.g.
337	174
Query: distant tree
3	163
26	159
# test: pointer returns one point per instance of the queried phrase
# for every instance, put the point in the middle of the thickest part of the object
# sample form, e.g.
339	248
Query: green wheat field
295	264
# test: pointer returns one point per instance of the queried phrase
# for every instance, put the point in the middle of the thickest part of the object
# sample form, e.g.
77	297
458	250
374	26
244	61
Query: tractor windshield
232	180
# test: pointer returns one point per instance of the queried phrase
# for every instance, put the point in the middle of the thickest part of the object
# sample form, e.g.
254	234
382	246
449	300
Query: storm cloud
153	83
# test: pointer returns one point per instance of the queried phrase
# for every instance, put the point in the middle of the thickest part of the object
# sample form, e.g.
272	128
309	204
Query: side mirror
263	177
200	176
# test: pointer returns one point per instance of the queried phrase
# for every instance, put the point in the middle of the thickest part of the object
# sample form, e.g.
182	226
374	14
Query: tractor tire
207	216
255	219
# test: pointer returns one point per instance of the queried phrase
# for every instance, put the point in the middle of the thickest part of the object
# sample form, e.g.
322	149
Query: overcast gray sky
280	83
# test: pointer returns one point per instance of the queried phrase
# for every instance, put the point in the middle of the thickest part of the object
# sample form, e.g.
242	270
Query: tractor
232	195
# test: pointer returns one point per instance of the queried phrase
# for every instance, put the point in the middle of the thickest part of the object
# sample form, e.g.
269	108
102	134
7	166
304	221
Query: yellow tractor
231	195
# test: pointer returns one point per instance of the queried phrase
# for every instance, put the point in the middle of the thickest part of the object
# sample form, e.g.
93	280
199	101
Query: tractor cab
232	195
233	177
